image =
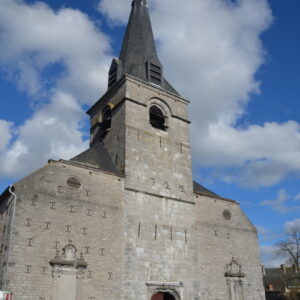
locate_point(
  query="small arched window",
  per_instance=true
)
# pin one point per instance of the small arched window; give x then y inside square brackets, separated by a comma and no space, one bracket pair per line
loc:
[106,118]
[157,118]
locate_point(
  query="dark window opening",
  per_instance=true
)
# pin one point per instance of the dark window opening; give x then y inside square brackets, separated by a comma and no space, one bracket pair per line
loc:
[157,118]
[106,118]
[163,296]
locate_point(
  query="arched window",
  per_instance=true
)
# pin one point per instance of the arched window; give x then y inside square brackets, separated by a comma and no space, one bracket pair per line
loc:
[157,118]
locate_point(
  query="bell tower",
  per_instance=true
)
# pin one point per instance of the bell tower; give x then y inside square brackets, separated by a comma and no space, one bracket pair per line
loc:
[142,120]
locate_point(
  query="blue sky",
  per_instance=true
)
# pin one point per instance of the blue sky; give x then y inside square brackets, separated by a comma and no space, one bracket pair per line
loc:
[237,61]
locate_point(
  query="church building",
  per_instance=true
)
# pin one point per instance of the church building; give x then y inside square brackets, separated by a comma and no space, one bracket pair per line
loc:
[124,219]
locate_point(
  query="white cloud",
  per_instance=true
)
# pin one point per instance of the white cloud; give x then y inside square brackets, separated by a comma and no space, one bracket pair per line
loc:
[294,224]
[266,234]
[269,258]
[60,58]
[261,155]
[34,38]
[5,134]
[116,11]
[52,132]
[211,50]
[280,204]
[297,197]
[261,230]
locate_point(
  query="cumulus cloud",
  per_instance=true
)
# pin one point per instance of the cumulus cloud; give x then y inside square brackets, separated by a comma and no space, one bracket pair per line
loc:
[266,234]
[5,133]
[269,258]
[60,58]
[211,50]
[34,39]
[261,230]
[116,11]
[281,203]
[53,131]
[297,197]
[292,225]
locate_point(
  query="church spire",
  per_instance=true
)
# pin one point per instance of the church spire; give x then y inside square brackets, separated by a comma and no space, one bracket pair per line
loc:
[138,56]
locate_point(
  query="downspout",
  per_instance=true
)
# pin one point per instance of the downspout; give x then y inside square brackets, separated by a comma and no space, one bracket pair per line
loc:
[10,234]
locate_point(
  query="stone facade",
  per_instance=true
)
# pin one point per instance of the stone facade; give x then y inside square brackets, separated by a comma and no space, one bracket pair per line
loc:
[51,215]
[82,229]
[139,233]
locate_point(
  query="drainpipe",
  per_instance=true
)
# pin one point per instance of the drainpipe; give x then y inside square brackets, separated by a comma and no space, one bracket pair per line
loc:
[9,237]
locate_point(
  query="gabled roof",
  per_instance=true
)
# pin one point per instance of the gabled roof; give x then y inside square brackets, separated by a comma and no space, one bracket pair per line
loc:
[199,189]
[273,277]
[97,156]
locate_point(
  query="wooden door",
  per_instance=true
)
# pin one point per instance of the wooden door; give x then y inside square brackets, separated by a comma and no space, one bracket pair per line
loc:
[163,296]
[158,296]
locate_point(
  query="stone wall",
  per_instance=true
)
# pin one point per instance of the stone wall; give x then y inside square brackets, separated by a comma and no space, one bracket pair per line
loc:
[157,161]
[224,234]
[50,215]
[6,212]
[139,234]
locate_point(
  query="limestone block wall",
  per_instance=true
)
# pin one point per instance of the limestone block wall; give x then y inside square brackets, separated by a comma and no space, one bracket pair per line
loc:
[160,249]
[6,211]
[224,233]
[115,137]
[187,248]
[157,161]
[50,214]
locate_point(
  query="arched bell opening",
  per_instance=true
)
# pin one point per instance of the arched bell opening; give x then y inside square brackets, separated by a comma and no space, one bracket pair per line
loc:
[157,118]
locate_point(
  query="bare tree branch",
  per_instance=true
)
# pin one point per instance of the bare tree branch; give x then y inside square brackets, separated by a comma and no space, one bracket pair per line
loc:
[290,248]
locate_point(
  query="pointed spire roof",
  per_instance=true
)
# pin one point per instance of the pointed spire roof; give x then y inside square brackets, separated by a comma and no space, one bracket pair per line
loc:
[138,44]
[138,56]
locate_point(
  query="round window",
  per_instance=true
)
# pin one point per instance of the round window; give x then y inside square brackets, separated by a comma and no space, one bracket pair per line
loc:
[74,183]
[226,214]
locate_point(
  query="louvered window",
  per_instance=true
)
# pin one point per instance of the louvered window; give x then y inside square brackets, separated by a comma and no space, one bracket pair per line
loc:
[112,77]
[154,73]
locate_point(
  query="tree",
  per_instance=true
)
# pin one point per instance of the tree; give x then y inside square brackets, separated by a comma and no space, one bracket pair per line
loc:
[290,247]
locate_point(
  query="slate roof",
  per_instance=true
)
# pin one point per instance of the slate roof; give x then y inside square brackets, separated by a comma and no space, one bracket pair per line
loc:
[273,276]
[199,189]
[97,156]
[139,45]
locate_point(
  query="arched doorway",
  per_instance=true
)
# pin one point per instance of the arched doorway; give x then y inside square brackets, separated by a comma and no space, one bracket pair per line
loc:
[163,296]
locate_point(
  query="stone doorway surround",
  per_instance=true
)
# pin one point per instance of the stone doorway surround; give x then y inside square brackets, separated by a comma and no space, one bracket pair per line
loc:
[173,289]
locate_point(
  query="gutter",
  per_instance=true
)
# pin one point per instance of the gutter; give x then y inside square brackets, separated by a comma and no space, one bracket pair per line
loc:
[9,237]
